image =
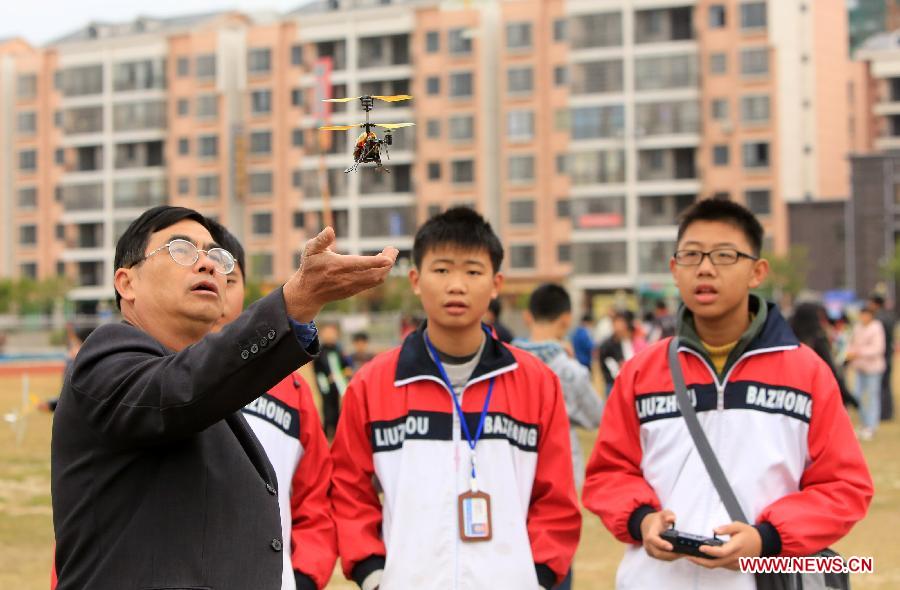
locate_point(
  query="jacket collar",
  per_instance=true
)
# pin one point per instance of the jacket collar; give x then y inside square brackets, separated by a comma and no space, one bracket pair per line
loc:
[415,362]
[768,332]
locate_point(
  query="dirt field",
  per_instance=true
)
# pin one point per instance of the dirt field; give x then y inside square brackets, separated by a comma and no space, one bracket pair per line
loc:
[26,533]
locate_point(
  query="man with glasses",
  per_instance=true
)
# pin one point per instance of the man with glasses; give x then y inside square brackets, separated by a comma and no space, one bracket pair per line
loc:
[157,480]
[770,408]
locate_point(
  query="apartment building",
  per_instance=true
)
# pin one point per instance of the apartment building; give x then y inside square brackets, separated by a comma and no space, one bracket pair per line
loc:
[581,129]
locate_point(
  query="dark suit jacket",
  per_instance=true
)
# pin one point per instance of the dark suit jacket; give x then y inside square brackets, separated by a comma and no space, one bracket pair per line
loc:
[157,480]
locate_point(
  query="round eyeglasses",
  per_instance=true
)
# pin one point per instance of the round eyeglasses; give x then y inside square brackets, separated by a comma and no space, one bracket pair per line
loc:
[719,257]
[185,253]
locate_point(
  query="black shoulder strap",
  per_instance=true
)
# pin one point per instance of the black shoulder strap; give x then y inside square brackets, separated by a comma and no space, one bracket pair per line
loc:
[713,468]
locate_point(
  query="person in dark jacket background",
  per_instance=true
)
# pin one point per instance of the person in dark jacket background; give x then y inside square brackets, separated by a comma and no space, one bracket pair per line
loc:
[807,324]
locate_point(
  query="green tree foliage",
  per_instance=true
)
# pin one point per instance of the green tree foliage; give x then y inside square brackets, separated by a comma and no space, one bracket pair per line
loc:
[787,273]
[28,296]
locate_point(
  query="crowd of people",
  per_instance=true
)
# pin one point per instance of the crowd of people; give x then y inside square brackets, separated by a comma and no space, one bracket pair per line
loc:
[187,450]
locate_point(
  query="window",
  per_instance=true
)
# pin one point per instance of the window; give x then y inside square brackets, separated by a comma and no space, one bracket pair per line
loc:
[596,77]
[207,106]
[461,84]
[262,224]
[595,30]
[139,75]
[560,29]
[432,42]
[755,61]
[759,201]
[184,146]
[564,253]
[722,196]
[208,186]
[596,122]
[719,108]
[26,123]
[28,160]
[28,197]
[521,168]
[297,137]
[28,270]
[208,146]
[299,221]
[717,16]
[261,102]
[661,210]
[564,208]
[58,119]
[184,107]
[433,210]
[753,15]
[183,67]
[81,80]
[600,258]
[259,60]
[667,117]
[296,55]
[520,125]
[594,167]
[26,86]
[28,235]
[434,170]
[205,66]
[664,72]
[720,155]
[260,183]
[184,185]
[433,85]
[261,265]
[518,36]
[521,212]
[458,42]
[718,63]
[519,80]
[433,128]
[756,154]
[260,142]
[59,157]
[521,256]
[560,75]
[61,235]
[653,257]
[296,97]
[297,178]
[755,109]
[461,127]
[462,171]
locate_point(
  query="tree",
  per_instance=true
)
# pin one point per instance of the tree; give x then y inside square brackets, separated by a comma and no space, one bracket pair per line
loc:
[787,273]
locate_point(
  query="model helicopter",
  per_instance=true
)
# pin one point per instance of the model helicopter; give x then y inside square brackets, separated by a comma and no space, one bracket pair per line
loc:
[369,147]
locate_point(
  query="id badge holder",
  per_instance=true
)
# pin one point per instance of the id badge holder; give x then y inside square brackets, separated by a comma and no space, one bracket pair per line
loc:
[475,517]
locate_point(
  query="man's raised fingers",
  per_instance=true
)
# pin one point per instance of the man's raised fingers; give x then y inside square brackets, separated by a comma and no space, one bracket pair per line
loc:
[320,243]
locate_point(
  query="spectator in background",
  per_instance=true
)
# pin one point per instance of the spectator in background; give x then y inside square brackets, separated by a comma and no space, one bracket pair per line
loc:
[75,337]
[492,318]
[361,354]
[663,323]
[332,374]
[808,324]
[866,357]
[618,348]
[582,343]
[883,315]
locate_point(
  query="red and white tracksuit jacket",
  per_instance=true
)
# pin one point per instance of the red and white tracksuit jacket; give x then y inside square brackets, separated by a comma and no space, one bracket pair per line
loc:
[287,425]
[779,430]
[398,423]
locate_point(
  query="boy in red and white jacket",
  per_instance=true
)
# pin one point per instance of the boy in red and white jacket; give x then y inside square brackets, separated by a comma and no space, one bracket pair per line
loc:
[769,406]
[401,423]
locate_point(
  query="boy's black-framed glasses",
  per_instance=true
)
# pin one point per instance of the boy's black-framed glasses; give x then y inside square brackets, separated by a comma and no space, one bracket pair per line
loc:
[719,257]
[185,253]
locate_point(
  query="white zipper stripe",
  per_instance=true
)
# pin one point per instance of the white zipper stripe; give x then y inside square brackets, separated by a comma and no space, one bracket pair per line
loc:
[721,386]
[484,377]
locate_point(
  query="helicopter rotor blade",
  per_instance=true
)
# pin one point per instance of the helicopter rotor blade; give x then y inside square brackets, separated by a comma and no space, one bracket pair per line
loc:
[394,98]
[348,99]
[338,127]
[394,125]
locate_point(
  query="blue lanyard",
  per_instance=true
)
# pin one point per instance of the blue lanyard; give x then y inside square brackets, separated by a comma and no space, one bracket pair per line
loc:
[462,418]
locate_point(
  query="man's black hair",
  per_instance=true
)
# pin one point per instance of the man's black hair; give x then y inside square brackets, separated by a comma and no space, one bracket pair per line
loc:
[461,227]
[227,240]
[360,337]
[727,212]
[548,302]
[133,242]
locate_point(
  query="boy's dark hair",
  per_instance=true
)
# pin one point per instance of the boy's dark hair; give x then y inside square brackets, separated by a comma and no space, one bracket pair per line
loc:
[587,318]
[131,245]
[548,302]
[877,299]
[728,212]
[360,337]
[461,227]
[661,305]
[495,307]
[227,240]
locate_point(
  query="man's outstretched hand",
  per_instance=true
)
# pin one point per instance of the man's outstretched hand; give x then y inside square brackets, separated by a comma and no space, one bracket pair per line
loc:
[325,276]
